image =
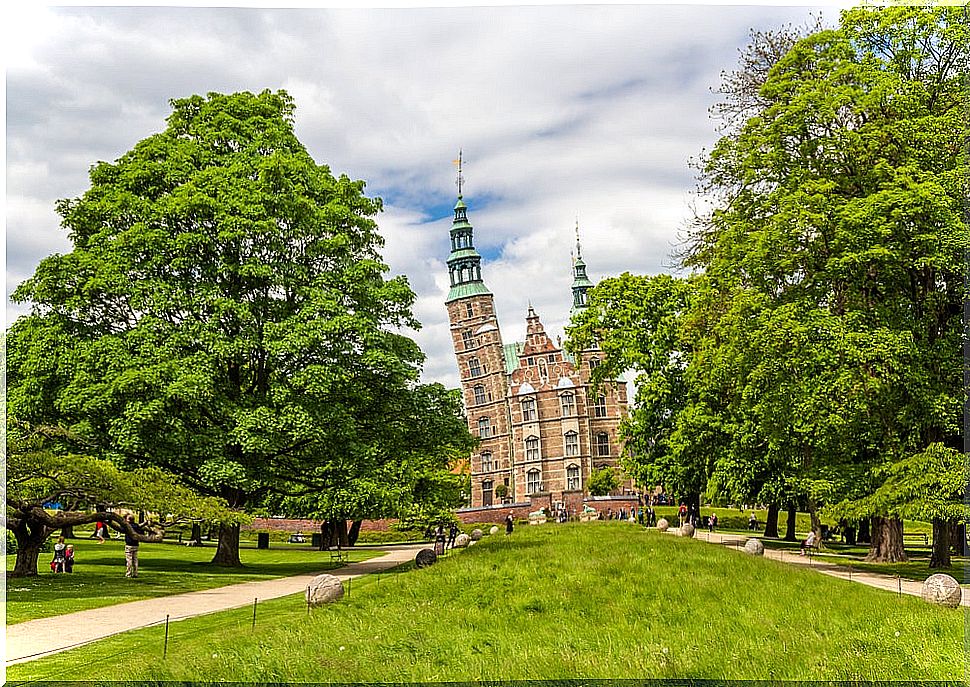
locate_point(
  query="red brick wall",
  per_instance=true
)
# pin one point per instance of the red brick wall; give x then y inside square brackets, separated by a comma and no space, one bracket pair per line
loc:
[520,511]
[310,526]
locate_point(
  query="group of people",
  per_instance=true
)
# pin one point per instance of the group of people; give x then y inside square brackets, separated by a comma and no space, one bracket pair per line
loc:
[63,561]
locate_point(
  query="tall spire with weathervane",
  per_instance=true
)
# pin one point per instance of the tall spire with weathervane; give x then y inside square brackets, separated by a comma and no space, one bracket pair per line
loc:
[464,263]
[581,283]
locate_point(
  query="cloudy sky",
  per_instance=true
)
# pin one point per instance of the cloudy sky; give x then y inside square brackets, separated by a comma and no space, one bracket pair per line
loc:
[563,112]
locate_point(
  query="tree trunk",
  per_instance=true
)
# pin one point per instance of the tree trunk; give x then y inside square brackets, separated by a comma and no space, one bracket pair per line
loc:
[227,552]
[341,527]
[887,541]
[958,537]
[29,543]
[790,525]
[354,532]
[197,533]
[67,531]
[771,524]
[940,557]
[864,535]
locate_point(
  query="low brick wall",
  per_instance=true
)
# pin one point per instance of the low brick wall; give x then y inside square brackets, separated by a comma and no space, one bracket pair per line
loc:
[294,525]
[495,514]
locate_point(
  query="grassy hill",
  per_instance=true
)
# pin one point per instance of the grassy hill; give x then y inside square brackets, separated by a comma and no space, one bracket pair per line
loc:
[594,600]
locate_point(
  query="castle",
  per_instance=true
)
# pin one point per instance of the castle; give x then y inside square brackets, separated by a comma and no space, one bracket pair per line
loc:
[542,431]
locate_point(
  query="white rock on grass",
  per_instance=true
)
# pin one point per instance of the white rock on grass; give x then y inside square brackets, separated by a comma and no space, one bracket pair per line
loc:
[943,590]
[477,534]
[324,589]
[686,530]
[462,541]
[662,524]
[754,547]
[493,529]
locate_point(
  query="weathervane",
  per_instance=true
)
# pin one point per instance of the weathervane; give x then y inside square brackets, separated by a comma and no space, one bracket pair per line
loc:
[460,179]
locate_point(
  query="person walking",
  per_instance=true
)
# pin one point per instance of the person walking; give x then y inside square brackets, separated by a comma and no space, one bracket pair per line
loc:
[509,523]
[131,546]
[682,513]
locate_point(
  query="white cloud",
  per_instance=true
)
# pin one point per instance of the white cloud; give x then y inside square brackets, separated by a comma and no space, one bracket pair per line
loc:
[562,111]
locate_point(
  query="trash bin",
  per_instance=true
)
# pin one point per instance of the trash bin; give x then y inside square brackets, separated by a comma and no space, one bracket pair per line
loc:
[315,540]
[262,540]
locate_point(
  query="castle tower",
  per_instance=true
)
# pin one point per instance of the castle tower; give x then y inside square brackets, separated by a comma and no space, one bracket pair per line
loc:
[481,360]
[581,283]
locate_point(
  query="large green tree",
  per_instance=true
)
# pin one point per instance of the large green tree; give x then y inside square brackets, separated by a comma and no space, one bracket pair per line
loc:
[224,313]
[838,194]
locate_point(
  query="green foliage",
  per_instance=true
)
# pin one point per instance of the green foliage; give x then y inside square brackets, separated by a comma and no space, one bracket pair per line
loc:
[224,315]
[602,481]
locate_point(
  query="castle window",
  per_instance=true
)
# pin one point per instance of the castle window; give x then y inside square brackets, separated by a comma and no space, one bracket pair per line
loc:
[529,410]
[551,357]
[568,402]
[572,443]
[530,361]
[484,427]
[594,363]
[532,448]
[572,477]
[603,444]
[466,339]
[487,492]
[487,463]
[532,482]
[468,310]
[474,367]
[479,392]
[599,408]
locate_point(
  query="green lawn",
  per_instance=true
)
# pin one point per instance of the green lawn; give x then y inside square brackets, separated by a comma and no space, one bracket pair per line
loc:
[99,575]
[594,600]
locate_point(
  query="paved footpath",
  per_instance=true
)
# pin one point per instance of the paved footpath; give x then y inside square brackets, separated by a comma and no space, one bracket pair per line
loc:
[35,639]
[823,564]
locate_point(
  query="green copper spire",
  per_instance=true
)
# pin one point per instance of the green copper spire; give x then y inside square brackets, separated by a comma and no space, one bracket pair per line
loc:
[464,263]
[581,283]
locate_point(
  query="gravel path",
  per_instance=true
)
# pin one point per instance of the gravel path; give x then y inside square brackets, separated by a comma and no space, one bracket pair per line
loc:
[38,638]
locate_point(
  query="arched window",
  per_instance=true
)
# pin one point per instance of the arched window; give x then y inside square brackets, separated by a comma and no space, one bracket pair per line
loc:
[479,392]
[603,444]
[484,427]
[487,492]
[599,408]
[487,464]
[594,363]
[474,367]
[572,477]
[568,403]
[532,482]
[532,448]
[529,410]
[466,339]
[571,440]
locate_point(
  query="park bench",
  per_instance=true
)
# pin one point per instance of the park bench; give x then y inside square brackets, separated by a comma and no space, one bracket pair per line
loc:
[297,539]
[916,536]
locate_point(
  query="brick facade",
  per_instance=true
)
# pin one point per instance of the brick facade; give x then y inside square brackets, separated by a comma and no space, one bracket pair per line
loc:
[530,403]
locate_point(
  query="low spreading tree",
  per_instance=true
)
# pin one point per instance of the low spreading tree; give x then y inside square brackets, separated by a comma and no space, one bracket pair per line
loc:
[84,489]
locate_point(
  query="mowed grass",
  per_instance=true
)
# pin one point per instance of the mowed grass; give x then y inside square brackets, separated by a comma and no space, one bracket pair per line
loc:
[168,568]
[593,600]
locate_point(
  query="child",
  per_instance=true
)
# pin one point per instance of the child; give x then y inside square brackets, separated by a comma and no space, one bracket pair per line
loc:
[57,565]
[69,558]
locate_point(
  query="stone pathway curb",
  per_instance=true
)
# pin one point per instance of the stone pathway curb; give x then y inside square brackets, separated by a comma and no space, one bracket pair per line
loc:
[823,565]
[35,639]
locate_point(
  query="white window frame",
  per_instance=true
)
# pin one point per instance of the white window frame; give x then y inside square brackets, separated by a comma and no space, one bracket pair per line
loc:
[530,412]
[532,448]
[570,444]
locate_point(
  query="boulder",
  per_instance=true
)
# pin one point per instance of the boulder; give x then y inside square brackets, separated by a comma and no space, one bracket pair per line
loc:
[663,525]
[943,590]
[754,547]
[462,541]
[493,529]
[425,558]
[477,534]
[686,530]
[324,589]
